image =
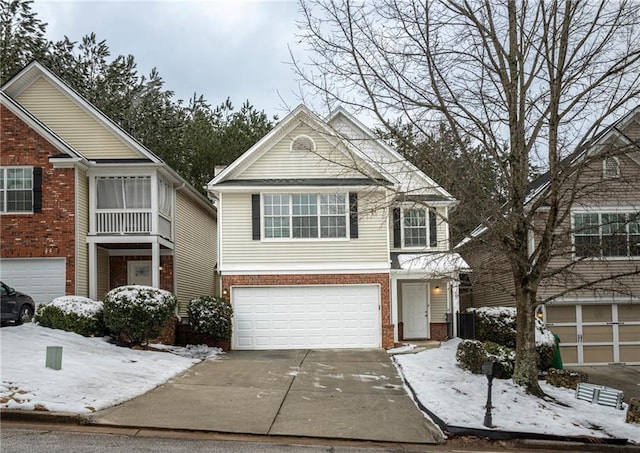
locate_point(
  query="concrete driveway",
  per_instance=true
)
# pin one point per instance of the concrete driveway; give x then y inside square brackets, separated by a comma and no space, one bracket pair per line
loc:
[347,394]
[621,377]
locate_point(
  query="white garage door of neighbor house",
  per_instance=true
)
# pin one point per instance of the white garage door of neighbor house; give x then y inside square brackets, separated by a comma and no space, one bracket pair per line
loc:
[299,317]
[41,278]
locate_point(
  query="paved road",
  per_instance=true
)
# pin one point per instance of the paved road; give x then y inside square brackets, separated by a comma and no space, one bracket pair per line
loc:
[24,438]
[338,394]
[621,377]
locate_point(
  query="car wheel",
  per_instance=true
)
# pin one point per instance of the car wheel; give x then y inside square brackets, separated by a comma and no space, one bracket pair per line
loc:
[26,314]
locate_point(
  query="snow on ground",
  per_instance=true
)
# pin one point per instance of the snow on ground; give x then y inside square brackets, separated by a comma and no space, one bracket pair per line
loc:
[95,374]
[458,397]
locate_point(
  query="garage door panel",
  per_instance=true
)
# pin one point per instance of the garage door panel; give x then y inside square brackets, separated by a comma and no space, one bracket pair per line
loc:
[42,278]
[597,334]
[306,316]
[630,353]
[598,354]
[629,333]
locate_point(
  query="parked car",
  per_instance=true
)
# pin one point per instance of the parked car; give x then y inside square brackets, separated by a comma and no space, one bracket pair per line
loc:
[15,306]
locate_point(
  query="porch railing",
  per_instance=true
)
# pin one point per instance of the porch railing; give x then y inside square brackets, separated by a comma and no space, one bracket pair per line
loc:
[123,222]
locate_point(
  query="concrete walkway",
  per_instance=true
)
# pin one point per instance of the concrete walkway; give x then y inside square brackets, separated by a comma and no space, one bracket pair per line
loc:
[345,394]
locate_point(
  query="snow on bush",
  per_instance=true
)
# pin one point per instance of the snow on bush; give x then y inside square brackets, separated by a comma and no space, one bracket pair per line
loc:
[135,314]
[74,314]
[497,326]
[211,316]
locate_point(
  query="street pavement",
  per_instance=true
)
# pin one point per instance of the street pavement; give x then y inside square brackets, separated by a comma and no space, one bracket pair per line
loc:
[339,394]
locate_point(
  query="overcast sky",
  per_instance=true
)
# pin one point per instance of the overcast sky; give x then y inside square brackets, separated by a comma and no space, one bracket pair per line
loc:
[218,48]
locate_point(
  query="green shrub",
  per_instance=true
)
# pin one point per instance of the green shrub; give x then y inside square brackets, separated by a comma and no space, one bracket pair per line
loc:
[135,314]
[503,355]
[470,355]
[211,316]
[496,324]
[72,314]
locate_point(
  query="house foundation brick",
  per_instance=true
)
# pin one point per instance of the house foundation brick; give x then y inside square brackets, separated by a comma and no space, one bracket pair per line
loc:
[46,234]
[228,281]
[438,331]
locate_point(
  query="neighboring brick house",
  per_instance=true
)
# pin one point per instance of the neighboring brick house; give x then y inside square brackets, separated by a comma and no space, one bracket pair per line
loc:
[84,207]
[596,317]
[329,238]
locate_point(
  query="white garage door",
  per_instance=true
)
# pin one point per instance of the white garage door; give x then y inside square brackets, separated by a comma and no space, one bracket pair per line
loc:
[299,317]
[41,278]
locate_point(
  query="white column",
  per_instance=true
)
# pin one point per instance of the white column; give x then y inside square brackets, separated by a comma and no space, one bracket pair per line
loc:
[155,265]
[93,271]
[455,304]
[394,307]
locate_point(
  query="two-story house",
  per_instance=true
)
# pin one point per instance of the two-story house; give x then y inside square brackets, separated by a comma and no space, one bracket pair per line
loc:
[84,207]
[328,238]
[592,288]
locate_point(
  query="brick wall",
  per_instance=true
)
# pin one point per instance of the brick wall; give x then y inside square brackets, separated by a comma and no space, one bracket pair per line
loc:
[118,270]
[51,233]
[438,331]
[323,279]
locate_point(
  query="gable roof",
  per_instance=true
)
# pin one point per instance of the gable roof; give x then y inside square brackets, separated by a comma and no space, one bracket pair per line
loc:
[35,70]
[380,163]
[537,187]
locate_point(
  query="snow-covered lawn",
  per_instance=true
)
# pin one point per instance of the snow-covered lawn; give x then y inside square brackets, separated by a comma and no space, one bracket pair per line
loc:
[458,397]
[95,374]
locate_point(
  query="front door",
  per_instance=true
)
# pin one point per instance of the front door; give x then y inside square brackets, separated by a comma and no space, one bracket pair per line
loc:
[139,273]
[415,311]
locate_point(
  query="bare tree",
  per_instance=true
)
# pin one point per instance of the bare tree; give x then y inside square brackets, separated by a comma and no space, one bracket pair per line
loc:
[530,82]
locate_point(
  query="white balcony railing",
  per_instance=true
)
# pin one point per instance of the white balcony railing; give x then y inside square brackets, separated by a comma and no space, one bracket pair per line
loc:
[123,222]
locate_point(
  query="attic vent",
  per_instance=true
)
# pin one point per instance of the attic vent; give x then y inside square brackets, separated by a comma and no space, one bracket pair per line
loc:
[303,143]
[611,167]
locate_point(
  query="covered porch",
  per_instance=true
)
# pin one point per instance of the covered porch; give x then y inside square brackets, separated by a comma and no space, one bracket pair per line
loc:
[114,262]
[425,295]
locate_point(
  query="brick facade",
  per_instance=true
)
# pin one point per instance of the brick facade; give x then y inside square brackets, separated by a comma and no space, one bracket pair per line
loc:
[438,331]
[323,279]
[51,233]
[118,270]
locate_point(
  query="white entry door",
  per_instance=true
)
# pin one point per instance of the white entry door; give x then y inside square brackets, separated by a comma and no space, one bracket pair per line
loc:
[139,273]
[415,310]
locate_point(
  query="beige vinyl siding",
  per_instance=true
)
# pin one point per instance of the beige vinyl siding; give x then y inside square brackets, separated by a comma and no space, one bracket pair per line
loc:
[239,248]
[491,277]
[195,252]
[82,219]
[72,123]
[438,301]
[103,272]
[281,162]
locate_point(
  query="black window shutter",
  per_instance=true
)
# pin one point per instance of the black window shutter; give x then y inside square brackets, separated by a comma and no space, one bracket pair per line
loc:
[353,215]
[397,238]
[433,231]
[255,216]
[37,189]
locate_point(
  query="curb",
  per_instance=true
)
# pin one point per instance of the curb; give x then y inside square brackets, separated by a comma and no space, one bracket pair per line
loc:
[41,416]
[528,440]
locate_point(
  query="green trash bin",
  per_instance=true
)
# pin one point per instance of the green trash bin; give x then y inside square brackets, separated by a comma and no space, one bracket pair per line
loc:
[556,362]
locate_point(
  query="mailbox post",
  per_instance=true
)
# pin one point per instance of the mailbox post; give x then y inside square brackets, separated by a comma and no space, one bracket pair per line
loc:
[489,369]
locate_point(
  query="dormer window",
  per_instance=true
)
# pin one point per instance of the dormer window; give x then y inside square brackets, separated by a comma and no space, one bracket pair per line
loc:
[303,143]
[611,167]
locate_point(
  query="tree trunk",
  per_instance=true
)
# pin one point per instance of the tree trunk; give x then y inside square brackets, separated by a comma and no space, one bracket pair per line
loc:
[526,369]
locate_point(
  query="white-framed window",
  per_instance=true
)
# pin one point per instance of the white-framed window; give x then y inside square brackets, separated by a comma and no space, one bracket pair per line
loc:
[606,234]
[415,227]
[16,189]
[120,192]
[611,167]
[303,143]
[305,215]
